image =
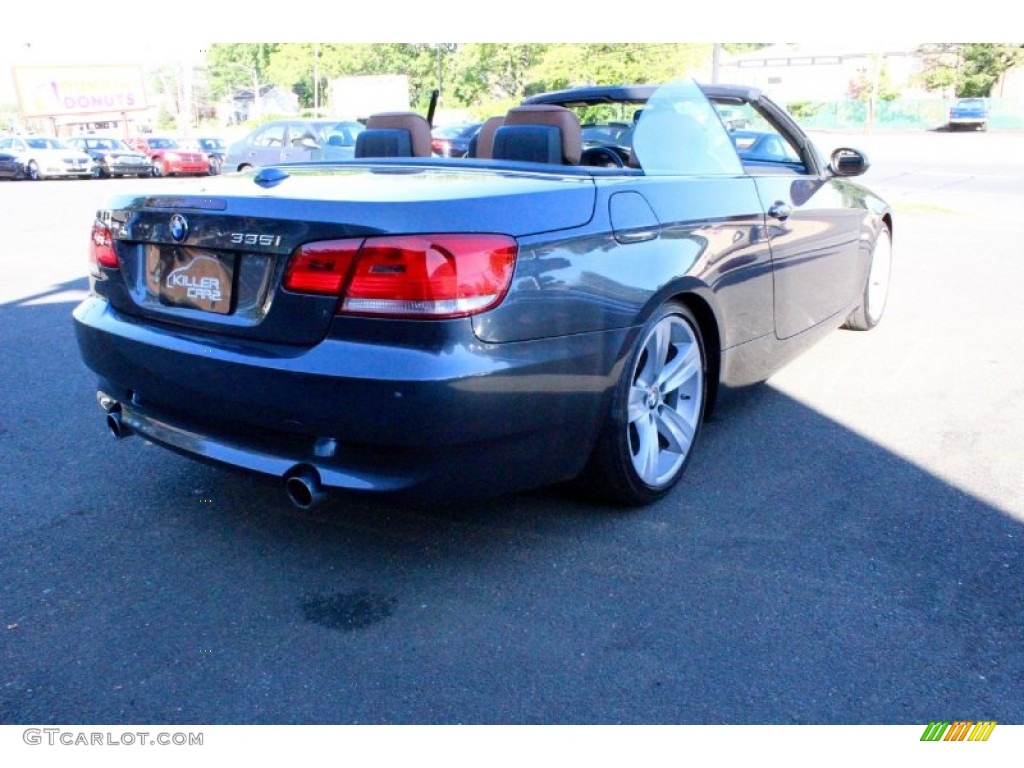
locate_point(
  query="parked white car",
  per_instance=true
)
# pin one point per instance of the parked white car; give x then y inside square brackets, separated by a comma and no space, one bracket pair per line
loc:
[46,157]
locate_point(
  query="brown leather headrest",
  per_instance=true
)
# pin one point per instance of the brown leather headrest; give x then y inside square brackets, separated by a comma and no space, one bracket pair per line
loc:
[485,136]
[415,124]
[560,117]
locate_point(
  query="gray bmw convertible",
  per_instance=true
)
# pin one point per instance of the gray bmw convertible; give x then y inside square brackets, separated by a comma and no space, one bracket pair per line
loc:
[557,305]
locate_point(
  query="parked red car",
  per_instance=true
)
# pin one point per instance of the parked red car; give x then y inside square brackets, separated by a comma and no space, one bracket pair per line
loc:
[170,159]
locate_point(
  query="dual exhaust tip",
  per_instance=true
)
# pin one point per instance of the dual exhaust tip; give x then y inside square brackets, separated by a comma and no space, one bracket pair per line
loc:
[302,482]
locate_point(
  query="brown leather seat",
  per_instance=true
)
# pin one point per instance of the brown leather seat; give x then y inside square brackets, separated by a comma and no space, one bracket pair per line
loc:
[563,119]
[412,123]
[483,142]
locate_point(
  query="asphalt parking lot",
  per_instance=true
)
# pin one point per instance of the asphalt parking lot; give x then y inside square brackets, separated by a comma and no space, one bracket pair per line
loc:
[847,546]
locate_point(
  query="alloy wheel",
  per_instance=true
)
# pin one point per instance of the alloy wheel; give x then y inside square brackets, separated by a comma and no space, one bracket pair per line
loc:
[665,398]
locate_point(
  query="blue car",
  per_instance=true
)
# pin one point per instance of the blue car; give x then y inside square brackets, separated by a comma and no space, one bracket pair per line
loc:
[441,329]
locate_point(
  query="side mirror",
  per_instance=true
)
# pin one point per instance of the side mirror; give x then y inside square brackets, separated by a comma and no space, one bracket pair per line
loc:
[848,162]
[308,143]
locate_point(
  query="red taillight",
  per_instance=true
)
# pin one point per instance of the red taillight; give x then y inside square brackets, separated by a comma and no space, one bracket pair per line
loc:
[434,276]
[441,146]
[101,246]
[321,267]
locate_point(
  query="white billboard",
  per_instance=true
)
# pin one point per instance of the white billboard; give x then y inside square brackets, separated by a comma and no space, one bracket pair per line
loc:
[54,91]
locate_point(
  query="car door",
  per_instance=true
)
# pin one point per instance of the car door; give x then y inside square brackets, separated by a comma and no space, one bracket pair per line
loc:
[303,143]
[812,230]
[267,145]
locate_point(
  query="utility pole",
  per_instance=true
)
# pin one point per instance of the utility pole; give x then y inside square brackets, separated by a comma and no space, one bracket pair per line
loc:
[316,79]
[876,73]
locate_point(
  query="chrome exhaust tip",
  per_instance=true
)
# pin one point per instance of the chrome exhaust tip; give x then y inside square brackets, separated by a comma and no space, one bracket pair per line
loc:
[304,488]
[116,425]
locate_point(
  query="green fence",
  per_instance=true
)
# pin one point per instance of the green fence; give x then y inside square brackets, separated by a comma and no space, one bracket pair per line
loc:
[900,114]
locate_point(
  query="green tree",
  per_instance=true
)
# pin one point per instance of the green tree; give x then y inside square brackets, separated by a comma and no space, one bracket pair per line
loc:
[292,65]
[491,72]
[566,65]
[238,66]
[870,83]
[967,69]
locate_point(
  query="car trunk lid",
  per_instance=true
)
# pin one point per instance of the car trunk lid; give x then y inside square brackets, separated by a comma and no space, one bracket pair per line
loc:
[211,256]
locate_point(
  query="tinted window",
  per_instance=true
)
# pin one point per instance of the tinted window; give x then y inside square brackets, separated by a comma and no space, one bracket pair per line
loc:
[342,134]
[755,138]
[271,136]
[300,132]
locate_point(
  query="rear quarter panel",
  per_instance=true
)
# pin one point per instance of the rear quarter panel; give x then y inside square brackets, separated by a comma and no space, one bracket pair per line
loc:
[698,234]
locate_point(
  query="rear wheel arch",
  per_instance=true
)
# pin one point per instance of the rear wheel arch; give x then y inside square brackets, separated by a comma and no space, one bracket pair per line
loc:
[887,221]
[709,328]
[652,421]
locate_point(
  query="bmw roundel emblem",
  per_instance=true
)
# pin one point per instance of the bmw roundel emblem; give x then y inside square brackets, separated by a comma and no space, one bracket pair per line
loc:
[179,227]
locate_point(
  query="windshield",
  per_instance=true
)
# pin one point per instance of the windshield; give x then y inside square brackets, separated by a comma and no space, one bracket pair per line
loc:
[106,144]
[43,143]
[162,144]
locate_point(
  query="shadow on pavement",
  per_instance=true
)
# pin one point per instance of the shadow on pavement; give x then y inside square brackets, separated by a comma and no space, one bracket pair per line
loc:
[800,574]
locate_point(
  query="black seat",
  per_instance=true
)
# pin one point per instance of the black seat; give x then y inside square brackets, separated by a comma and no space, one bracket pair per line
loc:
[529,143]
[383,142]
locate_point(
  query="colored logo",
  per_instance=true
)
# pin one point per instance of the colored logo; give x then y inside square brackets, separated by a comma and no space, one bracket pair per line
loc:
[959,730]
[179,227]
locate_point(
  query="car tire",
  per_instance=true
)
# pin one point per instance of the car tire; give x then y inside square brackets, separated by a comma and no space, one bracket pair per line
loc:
[655,416]
[158,168]
[32,171]
[876,285]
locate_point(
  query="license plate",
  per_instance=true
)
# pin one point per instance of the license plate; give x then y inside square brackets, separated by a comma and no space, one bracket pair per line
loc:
[190,277]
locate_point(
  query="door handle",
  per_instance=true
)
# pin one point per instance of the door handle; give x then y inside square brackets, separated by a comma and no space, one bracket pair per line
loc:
[780,211]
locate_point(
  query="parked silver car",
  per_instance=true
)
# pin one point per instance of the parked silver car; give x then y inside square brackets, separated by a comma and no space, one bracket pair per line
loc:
[112,156]
[294,141]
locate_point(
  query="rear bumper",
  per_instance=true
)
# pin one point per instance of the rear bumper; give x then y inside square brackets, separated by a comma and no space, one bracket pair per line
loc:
[461,420]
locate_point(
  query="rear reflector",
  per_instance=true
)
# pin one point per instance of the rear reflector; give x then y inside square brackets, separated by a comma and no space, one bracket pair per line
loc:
[101,246]
[425,276]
